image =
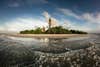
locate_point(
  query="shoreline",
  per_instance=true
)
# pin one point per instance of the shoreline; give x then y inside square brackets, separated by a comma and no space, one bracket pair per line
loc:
[48,35]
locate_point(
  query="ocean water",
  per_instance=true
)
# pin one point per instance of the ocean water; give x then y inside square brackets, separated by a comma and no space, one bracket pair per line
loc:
[50,52]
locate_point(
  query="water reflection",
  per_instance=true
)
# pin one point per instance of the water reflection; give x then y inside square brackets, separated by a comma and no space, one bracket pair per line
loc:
[61,45]
[49,52]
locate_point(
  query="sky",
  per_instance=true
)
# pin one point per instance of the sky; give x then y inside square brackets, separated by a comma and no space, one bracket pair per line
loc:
[17,15]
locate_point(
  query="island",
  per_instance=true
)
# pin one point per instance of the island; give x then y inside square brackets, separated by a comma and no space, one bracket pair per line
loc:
[52,29]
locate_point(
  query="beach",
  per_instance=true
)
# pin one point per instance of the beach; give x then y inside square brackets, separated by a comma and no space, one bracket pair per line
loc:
[49,35]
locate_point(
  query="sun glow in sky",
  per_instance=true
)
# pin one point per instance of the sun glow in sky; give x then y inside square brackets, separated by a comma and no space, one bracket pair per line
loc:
[17,15]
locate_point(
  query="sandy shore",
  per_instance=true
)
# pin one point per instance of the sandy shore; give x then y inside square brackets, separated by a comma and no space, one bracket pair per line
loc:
[48,35]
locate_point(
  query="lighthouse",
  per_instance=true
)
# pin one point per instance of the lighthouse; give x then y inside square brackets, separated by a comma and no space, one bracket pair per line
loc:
[49,25]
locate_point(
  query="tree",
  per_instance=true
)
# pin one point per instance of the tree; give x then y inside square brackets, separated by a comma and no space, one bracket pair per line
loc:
[53,30]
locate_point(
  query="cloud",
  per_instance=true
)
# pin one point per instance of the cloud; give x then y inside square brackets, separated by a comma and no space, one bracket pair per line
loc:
[89,17]
[73,25]
[92,17]
[14,4]
[22,24]
[91,20]
[46,15]
[19,24]
[69,13]
[18,3]
[54,21]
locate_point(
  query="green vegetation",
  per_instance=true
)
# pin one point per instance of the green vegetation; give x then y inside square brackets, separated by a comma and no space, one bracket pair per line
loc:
[36,31]
[53,30]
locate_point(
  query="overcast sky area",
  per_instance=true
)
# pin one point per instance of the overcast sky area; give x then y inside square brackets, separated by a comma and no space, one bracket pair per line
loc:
[17,15]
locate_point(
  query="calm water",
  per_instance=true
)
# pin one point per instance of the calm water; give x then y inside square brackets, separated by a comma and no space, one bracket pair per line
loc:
[50,52]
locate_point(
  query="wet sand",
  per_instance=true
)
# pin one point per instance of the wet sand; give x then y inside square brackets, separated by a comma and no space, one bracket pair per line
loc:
[16,53]
[49,35]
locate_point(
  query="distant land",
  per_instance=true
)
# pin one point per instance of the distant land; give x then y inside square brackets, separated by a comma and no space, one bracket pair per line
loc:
[52,30]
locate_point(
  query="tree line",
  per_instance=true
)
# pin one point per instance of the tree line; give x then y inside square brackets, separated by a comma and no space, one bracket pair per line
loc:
[53,30]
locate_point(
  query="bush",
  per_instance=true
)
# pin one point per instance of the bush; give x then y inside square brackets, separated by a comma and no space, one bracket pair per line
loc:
[53,30]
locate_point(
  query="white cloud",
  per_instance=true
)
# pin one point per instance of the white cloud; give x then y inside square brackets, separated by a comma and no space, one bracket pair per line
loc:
[30,23]
[72,25]
[54,21]
[91,20]
[19,24]
[69,13]
[89,17]
[22,24]
[46,15]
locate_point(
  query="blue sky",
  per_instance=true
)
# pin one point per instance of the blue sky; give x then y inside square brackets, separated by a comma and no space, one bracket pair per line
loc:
[17,15]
